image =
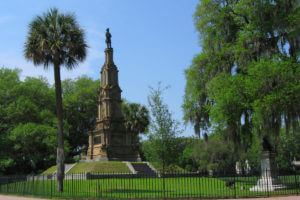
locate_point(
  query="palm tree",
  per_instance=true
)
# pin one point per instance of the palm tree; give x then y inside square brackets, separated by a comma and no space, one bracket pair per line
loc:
[136,119]
[56,39]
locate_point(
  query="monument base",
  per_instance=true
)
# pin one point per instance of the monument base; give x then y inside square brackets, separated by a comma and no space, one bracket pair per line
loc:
[112,159]
[268,184]
[111,153]
[268,180]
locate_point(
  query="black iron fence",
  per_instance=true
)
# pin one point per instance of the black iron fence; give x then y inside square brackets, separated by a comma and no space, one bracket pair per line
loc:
[162,185]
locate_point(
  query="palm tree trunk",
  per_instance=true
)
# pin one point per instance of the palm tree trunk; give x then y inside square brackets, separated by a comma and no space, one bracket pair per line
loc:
[60,166]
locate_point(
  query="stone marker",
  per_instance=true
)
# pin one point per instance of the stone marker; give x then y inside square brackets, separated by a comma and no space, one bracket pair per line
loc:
[269,180]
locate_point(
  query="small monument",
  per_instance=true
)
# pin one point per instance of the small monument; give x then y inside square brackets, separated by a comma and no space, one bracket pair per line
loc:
[109,140]
[238,168]
[268,180]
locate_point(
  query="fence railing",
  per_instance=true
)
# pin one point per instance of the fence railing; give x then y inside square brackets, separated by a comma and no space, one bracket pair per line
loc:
[162,185]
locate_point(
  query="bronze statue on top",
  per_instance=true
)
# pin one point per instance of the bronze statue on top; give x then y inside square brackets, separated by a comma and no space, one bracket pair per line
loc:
[108,40]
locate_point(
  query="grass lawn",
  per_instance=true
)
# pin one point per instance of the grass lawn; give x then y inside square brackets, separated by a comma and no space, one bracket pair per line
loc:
[95,167]
[51,170]
[204,187]
[100,167]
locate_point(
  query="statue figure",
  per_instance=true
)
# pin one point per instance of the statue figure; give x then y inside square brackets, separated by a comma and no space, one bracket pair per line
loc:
[266,144]
[108,40]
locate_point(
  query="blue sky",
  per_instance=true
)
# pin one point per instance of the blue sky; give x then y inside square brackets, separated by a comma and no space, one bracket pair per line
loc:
[153,41]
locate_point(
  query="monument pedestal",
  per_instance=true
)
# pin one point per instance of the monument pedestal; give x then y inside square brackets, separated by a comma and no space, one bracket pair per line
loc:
[268,180]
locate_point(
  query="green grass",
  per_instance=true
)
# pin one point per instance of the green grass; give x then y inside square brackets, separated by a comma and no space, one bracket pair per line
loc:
[203,187]
[100,167]
[95,167]
[51,170]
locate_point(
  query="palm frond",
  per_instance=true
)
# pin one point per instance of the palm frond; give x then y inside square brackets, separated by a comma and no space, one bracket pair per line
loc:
[55,37]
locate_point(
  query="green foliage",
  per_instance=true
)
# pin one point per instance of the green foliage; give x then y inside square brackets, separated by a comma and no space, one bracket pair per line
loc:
[171,168]
[33,145]
[28,123]
[162,145]
[136,119]
[253,153]
[246,79]
[9,81]
[186,159]
[55,38]
[288,148]
[80,109]
[147,151]
[196,105]
[274,87]
[217,155]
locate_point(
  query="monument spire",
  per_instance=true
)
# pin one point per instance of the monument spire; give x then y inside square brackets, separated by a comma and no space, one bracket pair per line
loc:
[109,71]
[109,140]
[110,92]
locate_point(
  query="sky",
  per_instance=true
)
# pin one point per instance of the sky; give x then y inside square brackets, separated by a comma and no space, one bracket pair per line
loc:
[154,41]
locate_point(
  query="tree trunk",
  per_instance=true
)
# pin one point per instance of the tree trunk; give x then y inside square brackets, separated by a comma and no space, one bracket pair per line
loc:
[205,138]
[60,166]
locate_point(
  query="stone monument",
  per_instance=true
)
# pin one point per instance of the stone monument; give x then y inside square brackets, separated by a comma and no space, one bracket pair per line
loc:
[269,177]
[109,140]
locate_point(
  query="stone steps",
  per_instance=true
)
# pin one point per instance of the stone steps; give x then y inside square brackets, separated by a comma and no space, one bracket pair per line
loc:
[143,169]
[68,167]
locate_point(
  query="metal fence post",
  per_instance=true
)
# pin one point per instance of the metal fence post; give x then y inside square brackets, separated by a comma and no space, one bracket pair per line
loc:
[296,183]
[7,184]
[199,179]
[33,185]
[72,187]
[24,185]
[15,185]
[234,186]
[267,183]
[51,187]
[164,186]
[98,184]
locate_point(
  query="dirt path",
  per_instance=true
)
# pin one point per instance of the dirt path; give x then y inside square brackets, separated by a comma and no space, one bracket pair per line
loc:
[5,197]
[275,198]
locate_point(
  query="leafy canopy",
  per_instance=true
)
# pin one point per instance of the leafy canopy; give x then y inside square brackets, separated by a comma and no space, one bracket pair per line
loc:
[246,78]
